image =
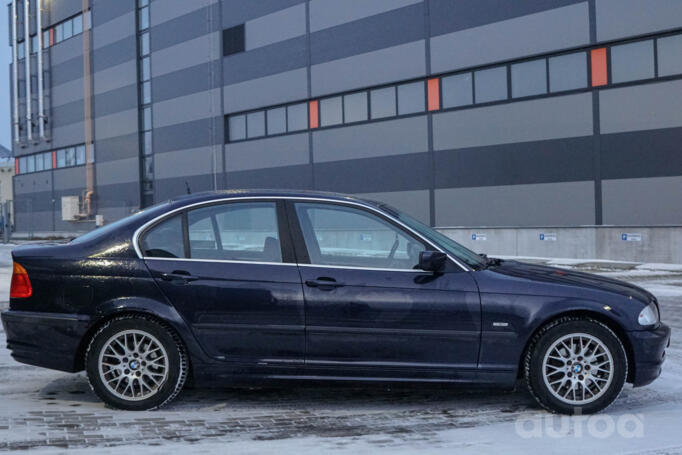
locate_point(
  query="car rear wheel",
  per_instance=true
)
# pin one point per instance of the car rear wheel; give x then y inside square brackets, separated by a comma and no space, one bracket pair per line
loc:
[576,366]
[136,363]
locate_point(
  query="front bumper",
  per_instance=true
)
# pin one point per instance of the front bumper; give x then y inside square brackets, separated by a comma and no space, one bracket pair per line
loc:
[49,340]
[648,348]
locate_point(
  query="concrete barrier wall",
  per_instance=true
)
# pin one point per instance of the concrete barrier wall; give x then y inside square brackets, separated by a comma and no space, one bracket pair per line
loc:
[618,243]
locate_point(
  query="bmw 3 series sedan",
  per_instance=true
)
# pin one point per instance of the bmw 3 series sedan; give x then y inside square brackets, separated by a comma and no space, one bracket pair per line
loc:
[251,285]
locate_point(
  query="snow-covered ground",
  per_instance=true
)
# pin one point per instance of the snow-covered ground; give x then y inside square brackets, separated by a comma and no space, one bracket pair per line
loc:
[48,412]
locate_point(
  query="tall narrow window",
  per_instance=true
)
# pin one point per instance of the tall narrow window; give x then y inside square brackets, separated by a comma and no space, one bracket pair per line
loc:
[145,109]
[233,40]
[599,67]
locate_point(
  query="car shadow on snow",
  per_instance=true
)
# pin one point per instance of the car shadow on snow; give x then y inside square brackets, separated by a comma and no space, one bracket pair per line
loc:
[74,391]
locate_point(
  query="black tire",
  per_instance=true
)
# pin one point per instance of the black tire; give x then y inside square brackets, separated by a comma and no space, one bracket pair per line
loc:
[544,340]
[176,363]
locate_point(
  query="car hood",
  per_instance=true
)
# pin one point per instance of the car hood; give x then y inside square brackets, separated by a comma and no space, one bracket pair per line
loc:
[532,278]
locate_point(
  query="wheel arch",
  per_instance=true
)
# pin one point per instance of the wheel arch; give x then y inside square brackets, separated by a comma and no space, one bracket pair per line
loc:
[159,312]
[584,313]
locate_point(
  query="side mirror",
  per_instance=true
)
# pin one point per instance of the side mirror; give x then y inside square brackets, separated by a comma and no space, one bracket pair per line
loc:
[432,261]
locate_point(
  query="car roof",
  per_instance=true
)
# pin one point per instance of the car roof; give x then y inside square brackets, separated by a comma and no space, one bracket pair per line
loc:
[246,193]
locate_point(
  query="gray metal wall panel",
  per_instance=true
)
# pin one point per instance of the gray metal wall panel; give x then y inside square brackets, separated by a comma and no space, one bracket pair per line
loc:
[330,13]
[67,93]
[67,135]
[113,30]
[198,133]
[166,10]
[546,204]
[165,189]
[552,30]
[186,81]
[71,178]
[414,203]
[67,113]
[115,77]
[523,121]
[372,68]
[66,50]
[57,11]
[393,137]
[114,54]
[264,61]
[451,16]
[266,91]
[624,18]
[375,175]
[121,195]
[195,52]
[647,201]
[237,12]
[513,164]
[192,25]
[115,148]
[651,153]
[274,27]
[126,170]
[187,108]
[641,107]
[265,153]
[121,99]
[33,183]
[287,177]
[399,26]
[182,163]
[118,124]
[35,221]
[70,70]
[34,202]
[106,10]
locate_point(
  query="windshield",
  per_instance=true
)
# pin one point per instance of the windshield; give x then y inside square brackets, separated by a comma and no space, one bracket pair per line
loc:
[451,247]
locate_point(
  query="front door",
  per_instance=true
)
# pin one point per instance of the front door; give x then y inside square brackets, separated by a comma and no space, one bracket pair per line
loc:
[228,269]
[369,308]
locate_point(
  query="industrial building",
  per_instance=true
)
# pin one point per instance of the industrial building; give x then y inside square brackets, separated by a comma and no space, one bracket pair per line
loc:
[467,113]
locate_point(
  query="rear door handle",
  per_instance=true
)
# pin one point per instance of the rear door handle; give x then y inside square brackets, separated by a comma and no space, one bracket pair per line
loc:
[178,275]
[324,283]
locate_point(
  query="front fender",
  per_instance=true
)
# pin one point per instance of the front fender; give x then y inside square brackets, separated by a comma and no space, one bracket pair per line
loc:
[509,321]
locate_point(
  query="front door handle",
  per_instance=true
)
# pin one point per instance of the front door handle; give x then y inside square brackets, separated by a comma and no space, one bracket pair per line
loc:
[178,275]
[324,283]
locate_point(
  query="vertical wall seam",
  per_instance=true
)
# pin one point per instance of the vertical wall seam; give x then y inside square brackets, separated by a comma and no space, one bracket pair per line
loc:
[311,155]
[429,117]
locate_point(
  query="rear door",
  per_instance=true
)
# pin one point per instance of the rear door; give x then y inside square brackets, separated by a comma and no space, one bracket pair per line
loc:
[229,270]
[369,308]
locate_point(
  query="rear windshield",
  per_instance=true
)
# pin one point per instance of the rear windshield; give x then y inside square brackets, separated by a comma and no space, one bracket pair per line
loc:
[108,229]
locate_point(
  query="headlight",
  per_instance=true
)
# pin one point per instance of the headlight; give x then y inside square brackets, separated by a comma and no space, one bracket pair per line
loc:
[649,315]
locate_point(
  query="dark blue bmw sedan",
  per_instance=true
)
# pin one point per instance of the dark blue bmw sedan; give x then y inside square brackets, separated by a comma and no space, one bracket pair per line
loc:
[252,285]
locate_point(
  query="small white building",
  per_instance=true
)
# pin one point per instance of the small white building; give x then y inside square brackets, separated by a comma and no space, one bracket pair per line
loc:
[6,174]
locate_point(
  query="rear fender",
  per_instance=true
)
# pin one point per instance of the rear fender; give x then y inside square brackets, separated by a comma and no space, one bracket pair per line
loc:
[155,309]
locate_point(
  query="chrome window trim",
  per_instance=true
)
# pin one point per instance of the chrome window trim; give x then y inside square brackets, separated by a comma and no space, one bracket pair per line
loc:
[236,261]
[141,229]
[228,261]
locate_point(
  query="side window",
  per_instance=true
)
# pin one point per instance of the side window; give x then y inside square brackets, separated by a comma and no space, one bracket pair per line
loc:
[242,231]
[343,236]
[164,240]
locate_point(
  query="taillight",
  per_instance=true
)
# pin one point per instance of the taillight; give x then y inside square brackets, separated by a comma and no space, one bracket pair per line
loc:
[21,285]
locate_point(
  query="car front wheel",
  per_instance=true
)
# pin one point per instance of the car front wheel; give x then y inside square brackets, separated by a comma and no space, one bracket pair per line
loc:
[136,363]
[576,366]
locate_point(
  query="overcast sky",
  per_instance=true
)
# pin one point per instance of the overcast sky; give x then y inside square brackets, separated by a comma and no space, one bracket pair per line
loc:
[5,58]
